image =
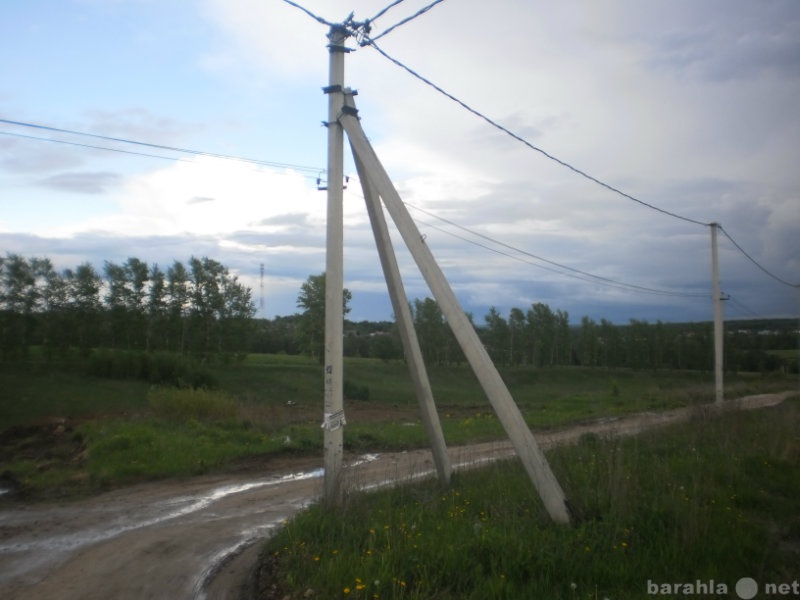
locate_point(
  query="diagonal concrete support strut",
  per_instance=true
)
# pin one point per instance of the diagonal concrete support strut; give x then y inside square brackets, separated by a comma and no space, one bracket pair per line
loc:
[522,439]
[405,324]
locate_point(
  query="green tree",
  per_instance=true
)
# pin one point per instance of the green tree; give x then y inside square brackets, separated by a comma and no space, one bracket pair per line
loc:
[610,345]
[562,350]
[235,318]
[177,306]
[206,301]
[516,334]
[19,297]
[311,328]
[157,310]
[497,337]
[431,330]
[541,331]
[84,286]
[588,343]
[55,324]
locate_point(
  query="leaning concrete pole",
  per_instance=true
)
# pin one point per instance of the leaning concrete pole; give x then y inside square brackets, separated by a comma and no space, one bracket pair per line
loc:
[507,411]
[405,324]
[334,421]
[716,296]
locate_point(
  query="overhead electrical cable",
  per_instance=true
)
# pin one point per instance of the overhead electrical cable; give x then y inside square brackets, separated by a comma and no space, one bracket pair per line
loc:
[310,14]
[368,41]
[576,275]
[43,139]
[361,32]
[255,161]
[519,138]
[585,275]
[564,269]
[384,10]
[755,262]
[741,306]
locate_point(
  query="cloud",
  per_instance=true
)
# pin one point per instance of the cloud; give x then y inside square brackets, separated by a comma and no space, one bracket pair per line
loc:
[25,156]
[741,41]
[139,124]
[81,183]
[204,196]
[688,106]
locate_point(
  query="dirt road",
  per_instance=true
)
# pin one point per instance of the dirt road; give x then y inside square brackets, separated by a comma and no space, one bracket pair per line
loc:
[196,538]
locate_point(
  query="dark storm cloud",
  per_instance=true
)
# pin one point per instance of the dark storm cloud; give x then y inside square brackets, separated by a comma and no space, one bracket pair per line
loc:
[755,39]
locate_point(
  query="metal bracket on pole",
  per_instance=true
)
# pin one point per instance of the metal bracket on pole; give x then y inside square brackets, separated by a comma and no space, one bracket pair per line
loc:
[522,439]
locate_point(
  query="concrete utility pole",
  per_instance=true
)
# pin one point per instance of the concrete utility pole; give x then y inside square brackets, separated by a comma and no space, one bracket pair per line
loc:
[334,420]
[716,296]
[405,323]
[507,411]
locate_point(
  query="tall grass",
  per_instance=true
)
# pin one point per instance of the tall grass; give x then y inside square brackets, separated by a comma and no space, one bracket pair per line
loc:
[715,499]
[187,403]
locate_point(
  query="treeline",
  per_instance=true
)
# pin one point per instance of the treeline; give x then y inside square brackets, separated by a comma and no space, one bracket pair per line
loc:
[197,308]
[542,337]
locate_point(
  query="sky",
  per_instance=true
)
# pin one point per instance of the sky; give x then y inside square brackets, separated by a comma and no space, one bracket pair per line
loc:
[692,108]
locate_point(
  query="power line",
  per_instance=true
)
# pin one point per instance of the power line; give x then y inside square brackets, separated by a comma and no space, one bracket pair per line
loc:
[43,139]
[120,150]
[594,278]
[310,14]
[361,32]
[742,307]
[755,262]
[572,272]
[519,138]
[161,147]
[384,10]
[368,41]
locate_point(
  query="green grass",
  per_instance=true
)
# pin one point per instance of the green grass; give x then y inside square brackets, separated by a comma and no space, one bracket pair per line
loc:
[715,499]
[121,451]
[28,395]
[121,431]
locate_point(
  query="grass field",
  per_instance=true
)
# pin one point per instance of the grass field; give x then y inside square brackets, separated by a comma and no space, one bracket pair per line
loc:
[717,499]
[62,432]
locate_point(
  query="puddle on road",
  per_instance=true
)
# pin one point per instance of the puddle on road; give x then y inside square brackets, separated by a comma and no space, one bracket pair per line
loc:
[32,550]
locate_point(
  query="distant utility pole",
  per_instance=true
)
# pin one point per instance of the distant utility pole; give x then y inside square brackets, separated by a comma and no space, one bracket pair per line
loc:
[716,296]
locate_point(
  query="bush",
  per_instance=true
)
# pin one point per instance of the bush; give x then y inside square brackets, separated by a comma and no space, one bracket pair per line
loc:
[354,391]
[157,368]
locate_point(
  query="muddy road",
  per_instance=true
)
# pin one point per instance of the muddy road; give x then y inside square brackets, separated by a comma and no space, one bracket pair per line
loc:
[197,538]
